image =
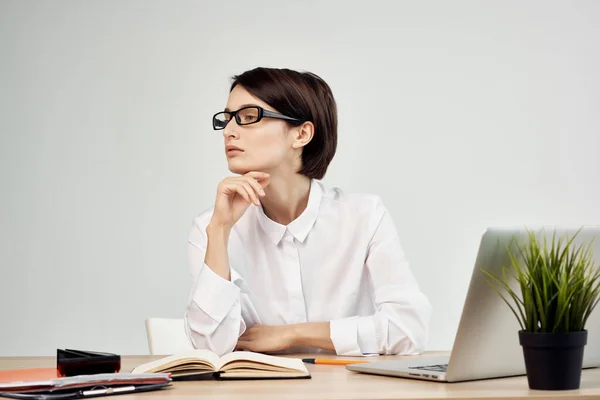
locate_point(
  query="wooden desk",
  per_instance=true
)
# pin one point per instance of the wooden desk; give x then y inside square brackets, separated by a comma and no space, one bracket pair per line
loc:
[335,382]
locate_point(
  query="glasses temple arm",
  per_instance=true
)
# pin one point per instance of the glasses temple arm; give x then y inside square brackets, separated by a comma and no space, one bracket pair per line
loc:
[267,113]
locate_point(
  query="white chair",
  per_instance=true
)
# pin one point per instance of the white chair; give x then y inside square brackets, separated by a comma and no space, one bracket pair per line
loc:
[167,336]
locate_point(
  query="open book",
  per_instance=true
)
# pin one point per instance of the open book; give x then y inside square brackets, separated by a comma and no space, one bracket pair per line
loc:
[236,365]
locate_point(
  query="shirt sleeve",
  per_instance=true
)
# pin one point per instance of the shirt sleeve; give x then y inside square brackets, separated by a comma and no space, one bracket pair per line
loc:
[401,320]
[214,314]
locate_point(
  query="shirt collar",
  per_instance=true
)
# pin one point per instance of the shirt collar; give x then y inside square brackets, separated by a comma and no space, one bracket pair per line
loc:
[301,226]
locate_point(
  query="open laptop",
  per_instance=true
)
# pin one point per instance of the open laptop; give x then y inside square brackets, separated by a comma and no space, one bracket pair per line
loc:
[487,341]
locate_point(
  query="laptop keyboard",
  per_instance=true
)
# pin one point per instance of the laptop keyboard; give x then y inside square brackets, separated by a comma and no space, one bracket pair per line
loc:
[436,368]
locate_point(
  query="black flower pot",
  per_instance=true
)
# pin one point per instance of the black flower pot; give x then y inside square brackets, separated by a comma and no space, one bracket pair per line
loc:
[553,361]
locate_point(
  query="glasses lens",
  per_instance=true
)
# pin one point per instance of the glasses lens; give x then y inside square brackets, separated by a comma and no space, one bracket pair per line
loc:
[247,116]
[220,120]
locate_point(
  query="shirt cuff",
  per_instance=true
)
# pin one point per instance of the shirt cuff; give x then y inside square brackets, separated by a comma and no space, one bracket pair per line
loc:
[343,334]
[367,336]
[214,295]
[239,281]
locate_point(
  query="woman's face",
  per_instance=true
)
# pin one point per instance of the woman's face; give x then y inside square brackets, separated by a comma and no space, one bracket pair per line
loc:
[263,146]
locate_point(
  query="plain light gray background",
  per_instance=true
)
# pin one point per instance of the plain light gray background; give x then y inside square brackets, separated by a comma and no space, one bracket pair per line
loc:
[460,115]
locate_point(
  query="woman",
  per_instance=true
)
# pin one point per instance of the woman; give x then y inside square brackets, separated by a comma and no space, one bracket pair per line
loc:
[282,263]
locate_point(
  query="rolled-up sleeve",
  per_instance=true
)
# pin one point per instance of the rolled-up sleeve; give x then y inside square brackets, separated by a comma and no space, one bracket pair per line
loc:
[401,321]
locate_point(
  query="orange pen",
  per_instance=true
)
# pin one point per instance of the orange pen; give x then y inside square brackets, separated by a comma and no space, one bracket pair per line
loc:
[331,361]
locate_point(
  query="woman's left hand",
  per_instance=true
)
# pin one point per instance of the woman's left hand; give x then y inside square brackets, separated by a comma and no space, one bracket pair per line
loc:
[266,338]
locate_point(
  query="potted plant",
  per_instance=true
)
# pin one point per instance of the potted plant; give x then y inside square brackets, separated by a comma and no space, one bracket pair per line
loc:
[557,287]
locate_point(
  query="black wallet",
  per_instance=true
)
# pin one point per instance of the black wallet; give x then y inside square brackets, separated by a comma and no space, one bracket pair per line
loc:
[71,362]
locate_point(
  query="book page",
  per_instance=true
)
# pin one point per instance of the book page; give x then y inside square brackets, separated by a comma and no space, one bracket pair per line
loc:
[193,359]
[260,361]
[255,374]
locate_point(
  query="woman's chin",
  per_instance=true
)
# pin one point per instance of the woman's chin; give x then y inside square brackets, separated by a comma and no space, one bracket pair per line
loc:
[239,168]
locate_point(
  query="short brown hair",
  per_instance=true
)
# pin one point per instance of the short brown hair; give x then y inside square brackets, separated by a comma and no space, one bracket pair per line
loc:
[301,95]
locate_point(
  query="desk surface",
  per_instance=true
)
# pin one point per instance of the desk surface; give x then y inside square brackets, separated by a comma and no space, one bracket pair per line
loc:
[336,382]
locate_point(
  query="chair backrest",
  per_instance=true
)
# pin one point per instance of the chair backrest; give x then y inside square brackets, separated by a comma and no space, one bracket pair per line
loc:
[167,336]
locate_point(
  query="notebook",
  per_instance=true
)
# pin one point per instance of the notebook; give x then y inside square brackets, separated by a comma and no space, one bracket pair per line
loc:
[43,383]
[201,363]
[28,374]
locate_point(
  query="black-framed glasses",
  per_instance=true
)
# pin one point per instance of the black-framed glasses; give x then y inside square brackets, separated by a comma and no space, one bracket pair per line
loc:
[246,116]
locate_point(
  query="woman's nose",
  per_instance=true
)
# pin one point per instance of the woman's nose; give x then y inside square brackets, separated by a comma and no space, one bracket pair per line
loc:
[231,129]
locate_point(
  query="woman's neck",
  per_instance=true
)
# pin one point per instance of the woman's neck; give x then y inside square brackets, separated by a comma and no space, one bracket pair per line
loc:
[286,197]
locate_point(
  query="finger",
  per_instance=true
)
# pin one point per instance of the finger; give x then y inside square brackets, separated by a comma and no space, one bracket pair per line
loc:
[257,187]
[257,174]
[242,192]
[243,346]
[263,181]
[247,335]
[251,192]
[230,188]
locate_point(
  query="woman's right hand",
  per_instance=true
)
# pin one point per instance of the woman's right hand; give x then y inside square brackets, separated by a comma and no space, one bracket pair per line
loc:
[234,196]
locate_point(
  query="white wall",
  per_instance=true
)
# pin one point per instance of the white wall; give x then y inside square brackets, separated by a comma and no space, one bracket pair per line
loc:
[459,114]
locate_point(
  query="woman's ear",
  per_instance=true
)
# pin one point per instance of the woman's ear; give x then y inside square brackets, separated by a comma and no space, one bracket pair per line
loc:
[304,134]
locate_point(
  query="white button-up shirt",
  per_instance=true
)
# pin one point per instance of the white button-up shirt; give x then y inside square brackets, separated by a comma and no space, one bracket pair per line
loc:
[339,261]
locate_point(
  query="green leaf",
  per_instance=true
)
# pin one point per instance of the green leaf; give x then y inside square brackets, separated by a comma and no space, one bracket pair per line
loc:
[559,284]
